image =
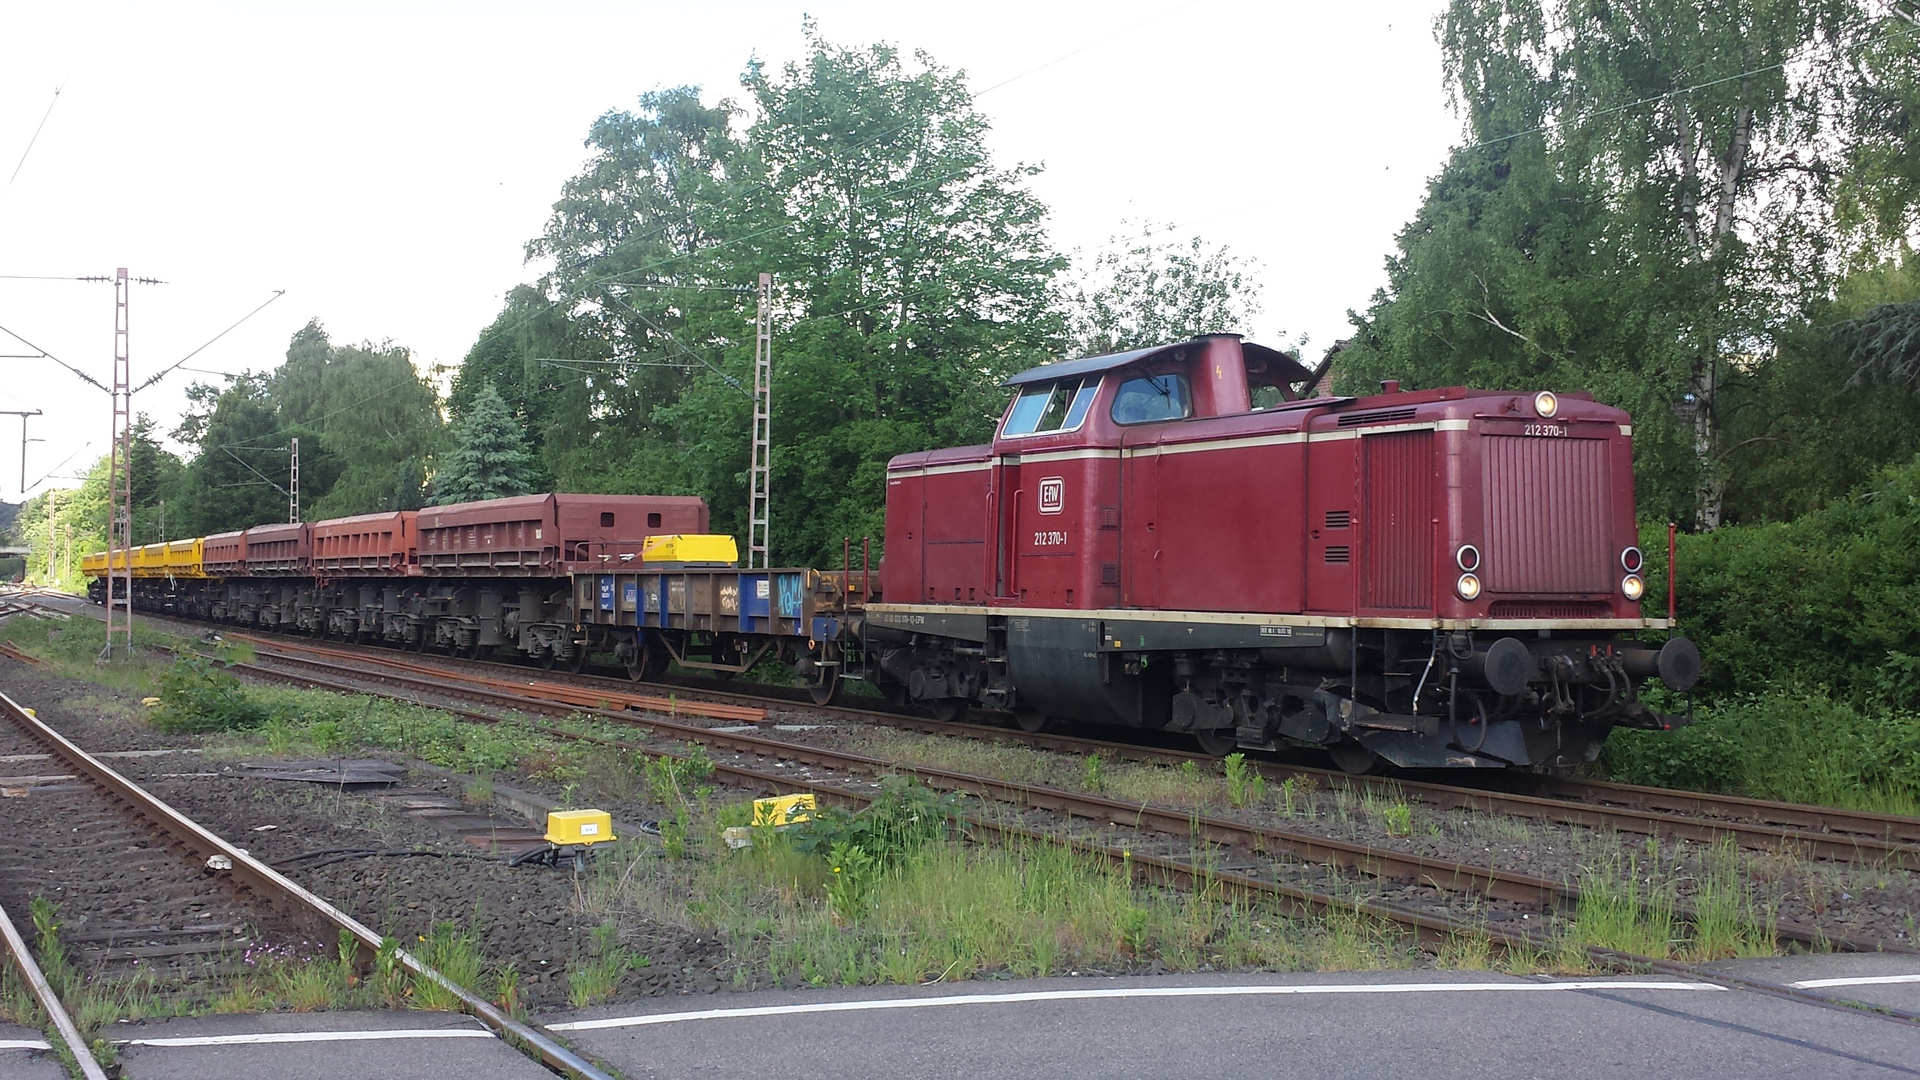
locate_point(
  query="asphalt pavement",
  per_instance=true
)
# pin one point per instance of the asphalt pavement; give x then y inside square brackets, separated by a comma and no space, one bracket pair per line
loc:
[1346,1026]
[318,1046]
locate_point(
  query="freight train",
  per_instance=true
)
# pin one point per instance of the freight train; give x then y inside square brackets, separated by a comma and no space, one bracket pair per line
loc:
[1176,538]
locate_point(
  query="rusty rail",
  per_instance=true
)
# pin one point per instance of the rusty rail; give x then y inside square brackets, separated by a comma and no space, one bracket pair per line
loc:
[257,878]
[62,1024]
[1365,859]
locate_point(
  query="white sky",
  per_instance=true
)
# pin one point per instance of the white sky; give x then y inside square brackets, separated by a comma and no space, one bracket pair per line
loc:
[384,163]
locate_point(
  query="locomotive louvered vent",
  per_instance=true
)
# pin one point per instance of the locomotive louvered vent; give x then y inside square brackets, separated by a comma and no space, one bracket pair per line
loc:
[1109,517]
[1549,609]
[1339,519]
[1384,416]
[1109,573]
[1339,554]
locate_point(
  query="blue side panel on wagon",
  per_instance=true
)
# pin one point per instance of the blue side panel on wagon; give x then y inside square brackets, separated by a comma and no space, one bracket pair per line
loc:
[781,603]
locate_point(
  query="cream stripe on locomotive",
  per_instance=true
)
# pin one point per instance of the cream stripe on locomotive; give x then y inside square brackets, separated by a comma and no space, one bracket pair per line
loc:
[1240,618]
[1039,457]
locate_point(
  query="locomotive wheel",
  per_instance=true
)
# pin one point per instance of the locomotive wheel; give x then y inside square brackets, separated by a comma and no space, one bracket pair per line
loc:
[1353,758]
[1218,742]
[947,710]
[1031,721]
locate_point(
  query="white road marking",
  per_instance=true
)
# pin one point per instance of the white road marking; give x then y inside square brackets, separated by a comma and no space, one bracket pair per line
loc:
[1858,980]
[23,1044]
[1125,992]
[311,1037]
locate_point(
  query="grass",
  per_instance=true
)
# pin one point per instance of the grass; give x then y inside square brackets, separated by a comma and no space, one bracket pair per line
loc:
[951,910]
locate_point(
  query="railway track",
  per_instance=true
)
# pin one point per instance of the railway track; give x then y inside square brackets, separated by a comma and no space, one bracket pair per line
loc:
[1274,875]
[1845,836]
[189,870]
[1823,833]
[1302,867]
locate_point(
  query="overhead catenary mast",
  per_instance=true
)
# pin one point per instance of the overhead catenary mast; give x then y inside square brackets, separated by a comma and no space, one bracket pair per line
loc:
[120,485]
[761,469]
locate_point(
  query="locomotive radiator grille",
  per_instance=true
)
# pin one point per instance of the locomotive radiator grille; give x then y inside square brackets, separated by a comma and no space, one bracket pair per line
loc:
[1398,521]
[1546,509]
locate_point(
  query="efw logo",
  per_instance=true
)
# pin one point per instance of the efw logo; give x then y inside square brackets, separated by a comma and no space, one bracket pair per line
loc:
[1053,495]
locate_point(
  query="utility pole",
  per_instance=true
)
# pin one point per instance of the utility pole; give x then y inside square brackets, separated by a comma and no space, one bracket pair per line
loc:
[293,482]
[761,470]
[23,443]
[120,483]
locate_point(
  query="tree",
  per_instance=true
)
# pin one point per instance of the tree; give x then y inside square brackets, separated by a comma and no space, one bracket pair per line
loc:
[1648,195]
[489,459]
[912,275]
[367,421]
[1156,292]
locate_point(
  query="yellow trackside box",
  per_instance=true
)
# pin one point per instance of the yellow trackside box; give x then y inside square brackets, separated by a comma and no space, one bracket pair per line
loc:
[704,549]
[785,810]
[583,827]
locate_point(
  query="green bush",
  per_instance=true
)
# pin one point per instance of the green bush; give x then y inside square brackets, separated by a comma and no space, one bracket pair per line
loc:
[198,695]
[1798,746]
[1829,599]
[904,818]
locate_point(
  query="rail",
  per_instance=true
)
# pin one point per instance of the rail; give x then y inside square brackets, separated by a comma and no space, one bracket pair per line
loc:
[270,886]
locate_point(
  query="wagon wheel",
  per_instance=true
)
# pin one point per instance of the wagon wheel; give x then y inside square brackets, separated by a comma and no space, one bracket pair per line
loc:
[946,710]
[577,660]
[648,661]
[476,650]
[548,659]
[1218,742]
[421,639]
[824,686]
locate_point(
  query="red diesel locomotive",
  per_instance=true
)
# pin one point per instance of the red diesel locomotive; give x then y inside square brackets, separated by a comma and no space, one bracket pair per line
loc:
[1173,538]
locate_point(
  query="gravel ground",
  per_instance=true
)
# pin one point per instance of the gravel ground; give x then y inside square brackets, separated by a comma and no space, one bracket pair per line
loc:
[525,916]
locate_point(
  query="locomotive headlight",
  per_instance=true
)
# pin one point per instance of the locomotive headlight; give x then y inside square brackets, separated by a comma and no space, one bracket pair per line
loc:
[1631,560]
[1468,557]
[1546,404]
[1468,587]
[1632,587]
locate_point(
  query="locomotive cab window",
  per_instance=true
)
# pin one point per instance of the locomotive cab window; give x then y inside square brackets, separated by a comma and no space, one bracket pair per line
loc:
[1050,407]
[1153,397]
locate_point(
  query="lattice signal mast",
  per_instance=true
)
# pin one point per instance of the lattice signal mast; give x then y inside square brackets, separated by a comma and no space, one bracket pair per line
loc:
[761,472]
[120,485]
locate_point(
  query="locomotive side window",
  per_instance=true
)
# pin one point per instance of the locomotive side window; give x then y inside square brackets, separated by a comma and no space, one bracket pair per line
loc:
[1152,397]
[1059,406]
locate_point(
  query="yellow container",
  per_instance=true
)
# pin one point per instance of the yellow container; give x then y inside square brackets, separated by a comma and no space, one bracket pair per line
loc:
[784,810]
[583,827]
[94,565]
[183,558]
[690,548]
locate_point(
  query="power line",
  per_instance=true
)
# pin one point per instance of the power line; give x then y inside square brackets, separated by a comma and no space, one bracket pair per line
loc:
[164,372]
[97,384]
[36,135]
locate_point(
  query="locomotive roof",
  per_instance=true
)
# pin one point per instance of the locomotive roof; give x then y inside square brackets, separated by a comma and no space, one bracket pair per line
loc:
[1281,364]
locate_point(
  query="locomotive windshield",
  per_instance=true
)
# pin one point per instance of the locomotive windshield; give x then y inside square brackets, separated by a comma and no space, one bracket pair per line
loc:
[1057,406]
[1152,397]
